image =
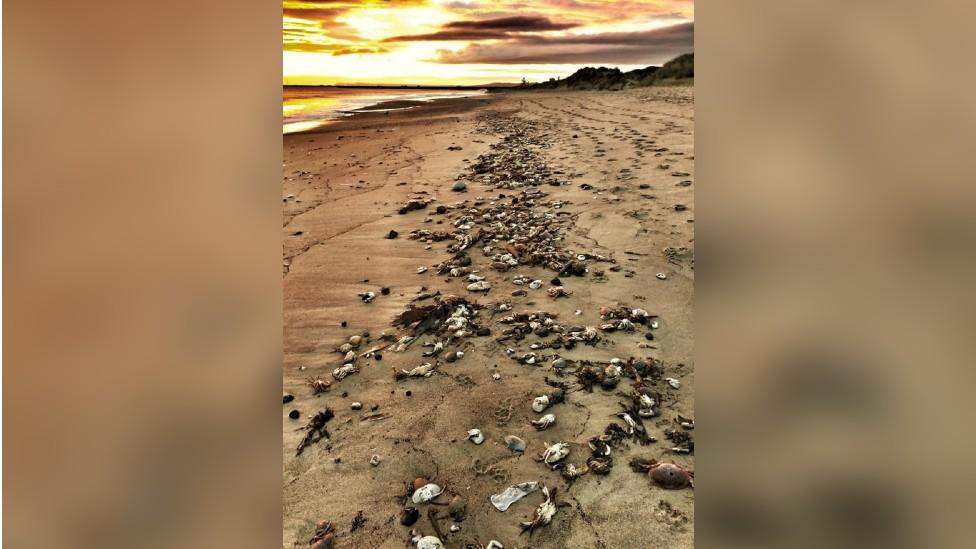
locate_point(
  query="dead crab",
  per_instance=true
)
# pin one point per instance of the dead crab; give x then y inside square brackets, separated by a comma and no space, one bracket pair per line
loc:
[543,513]
[424,370]
[318,385]
[544,422]
[554,454]
[323,538]
[344,370]
[666,475]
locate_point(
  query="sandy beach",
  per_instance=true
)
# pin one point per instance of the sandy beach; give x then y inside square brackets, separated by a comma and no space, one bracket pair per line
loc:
[615,184]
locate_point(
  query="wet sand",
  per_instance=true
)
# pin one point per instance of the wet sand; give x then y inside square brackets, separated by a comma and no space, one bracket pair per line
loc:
[626,160]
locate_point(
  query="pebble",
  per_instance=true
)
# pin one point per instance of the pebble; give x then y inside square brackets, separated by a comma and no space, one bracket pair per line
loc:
[294,414]
[375,460]
[392,234]
[357,405]
[515,444]
[459,186]
[287,397]
[661,276]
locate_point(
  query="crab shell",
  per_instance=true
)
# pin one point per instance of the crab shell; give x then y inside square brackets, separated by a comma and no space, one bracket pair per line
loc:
[600,465]
[671,476]
[555,453]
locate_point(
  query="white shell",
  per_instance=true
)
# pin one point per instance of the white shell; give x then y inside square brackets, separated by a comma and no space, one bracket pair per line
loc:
[535,284]
[540,403]
[475,436]
[545,421]
[426,493]
[674,383]
[496,376]
[421,270]
[428,542]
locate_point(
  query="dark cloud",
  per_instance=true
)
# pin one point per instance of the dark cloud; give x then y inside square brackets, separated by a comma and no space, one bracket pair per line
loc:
[624,48]
[488,29]
[517,23]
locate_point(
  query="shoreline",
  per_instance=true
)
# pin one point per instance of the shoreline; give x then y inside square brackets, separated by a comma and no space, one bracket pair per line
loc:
[343,184]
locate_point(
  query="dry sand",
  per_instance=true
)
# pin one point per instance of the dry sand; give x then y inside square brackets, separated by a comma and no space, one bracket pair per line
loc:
[342,187]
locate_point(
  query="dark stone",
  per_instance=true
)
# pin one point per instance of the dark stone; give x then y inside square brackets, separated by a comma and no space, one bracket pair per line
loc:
[377,356]
[344,324]
[385,291]
[392,234]
[556,282]
[409,393]
[441,209]
[649,336]
[294,414]
[287,397]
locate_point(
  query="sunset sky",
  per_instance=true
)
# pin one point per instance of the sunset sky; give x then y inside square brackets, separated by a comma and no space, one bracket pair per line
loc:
[465,42]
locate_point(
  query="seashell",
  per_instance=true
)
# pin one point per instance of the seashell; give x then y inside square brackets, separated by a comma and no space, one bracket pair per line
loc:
[357,405]
[475,436]
[421,270]
[409,516]
[544,422]
[375,460]
[654,325]
[646,408]
[535,284]
[494,544]
[426,493]
[515,444]
[540,403]
[661,276]
[496,376]
[454,528]
[674,383]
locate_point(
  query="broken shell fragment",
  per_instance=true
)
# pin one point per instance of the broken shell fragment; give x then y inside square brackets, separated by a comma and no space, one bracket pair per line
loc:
[367,297]
[661,276]
[535,284]
[515,444]
[476,436]
[674,383]
[512,494]
[426,493]
[374,460]
[421,270]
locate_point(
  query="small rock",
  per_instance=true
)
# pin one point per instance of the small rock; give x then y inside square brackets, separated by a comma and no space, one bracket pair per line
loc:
[409,516]
[392,234]
[357,405]
[515,444]
[375,460]
[661,276]
[459,186]
[294,414]
[287,397]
